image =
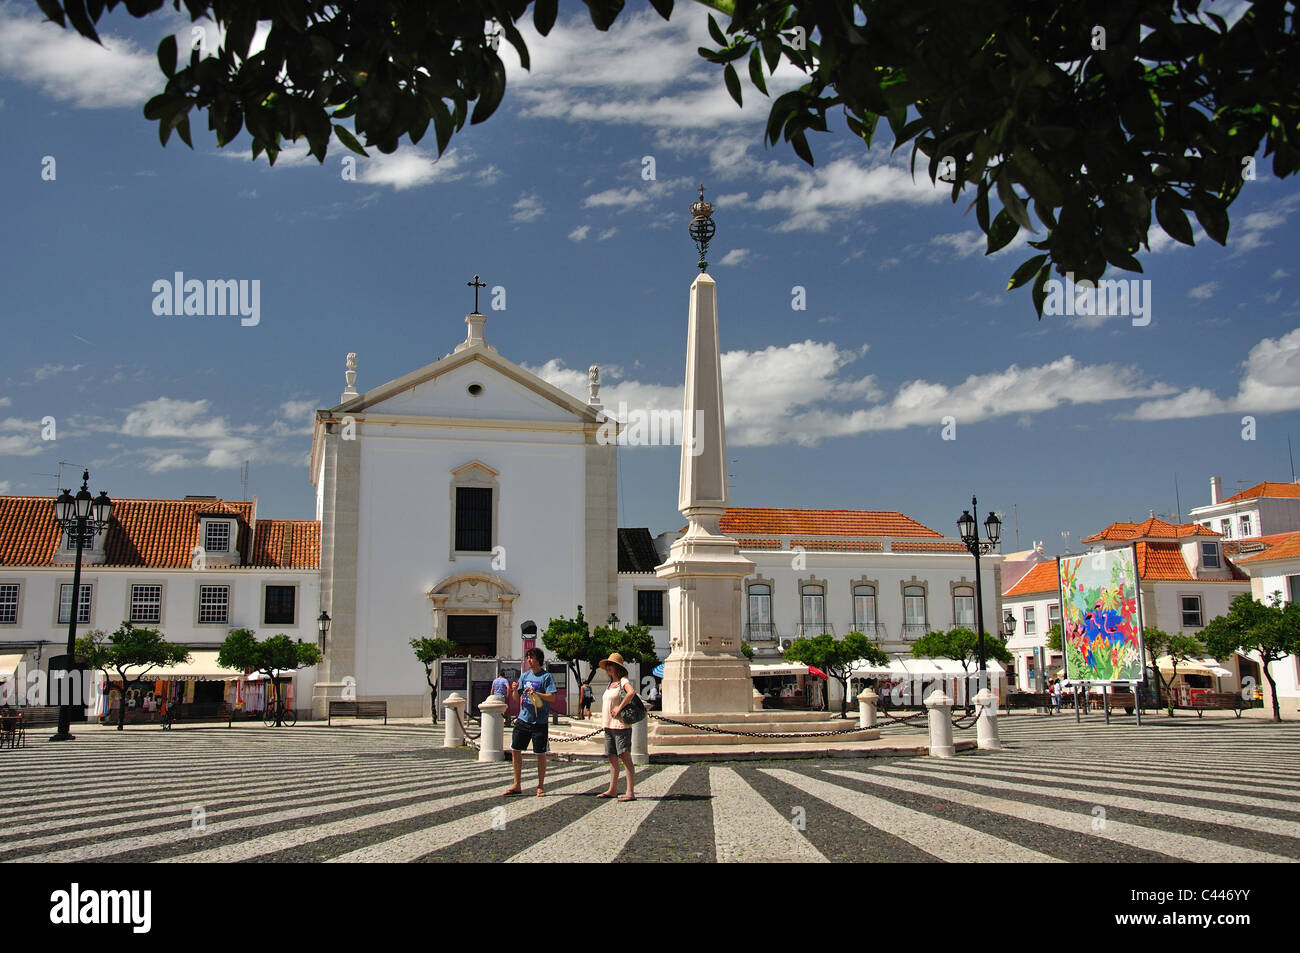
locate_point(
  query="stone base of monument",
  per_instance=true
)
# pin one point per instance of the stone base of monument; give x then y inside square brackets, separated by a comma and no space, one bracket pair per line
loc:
[785,725]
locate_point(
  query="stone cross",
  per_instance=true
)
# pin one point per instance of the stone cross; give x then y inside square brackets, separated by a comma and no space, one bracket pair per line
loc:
[475,284]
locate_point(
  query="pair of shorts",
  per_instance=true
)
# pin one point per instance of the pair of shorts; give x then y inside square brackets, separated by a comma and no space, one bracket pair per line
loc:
[618,742]
[525,732]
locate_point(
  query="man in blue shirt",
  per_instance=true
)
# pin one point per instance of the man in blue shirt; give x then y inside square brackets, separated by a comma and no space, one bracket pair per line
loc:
[536,689]
[501,685]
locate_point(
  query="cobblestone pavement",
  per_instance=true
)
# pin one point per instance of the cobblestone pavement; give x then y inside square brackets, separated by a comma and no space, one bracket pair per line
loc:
[1173,790]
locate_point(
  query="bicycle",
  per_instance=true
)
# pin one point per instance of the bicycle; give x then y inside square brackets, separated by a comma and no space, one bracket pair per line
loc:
[287,717]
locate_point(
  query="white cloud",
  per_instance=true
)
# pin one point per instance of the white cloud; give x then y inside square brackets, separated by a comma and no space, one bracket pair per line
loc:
[736,256]
[1270,383]
[5,485]
[1280,273]
[963,244]
[805,392]
[528,208]
[580,233]
[607,234]
[1204,292]
[5,401]
[637,196]
[488,176]
[20,438]
[407,168]
[68,67]
[52,370]
[841,189]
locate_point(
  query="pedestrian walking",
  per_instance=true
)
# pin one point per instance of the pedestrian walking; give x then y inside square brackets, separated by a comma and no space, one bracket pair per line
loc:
[500,686]
[618,735]
[1056,695]
[584,707]
[536,690]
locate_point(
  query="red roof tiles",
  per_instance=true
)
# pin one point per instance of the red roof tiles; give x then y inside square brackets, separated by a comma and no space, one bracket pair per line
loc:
[1269,489]
[767,521]
[287,544]
[1041,578]
[1149,529]
[1278,546]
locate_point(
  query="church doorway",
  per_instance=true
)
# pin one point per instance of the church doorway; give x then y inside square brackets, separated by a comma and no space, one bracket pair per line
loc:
[474,635]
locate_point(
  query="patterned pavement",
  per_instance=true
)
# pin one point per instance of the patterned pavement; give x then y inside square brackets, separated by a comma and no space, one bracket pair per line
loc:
[1186,790]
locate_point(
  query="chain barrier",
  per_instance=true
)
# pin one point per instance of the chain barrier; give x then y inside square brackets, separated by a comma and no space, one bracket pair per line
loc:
[956,722]
[909,720]
[468,740]
[761,734]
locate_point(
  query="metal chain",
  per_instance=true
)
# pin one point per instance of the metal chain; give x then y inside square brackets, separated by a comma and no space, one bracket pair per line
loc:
[905,720]
[761,734]
[468,740]
[565,741]
[956,722]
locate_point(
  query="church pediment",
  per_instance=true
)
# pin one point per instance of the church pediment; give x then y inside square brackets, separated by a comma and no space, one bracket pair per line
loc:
[469,590]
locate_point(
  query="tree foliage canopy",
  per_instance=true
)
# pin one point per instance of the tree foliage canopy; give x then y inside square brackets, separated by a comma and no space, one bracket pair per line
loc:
[836,657]
[962,645]
[573,641]
[1070,120]
[1270,630]
[130,653]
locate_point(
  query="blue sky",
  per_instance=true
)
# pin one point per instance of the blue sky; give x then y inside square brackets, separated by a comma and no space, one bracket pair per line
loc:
[1069,422]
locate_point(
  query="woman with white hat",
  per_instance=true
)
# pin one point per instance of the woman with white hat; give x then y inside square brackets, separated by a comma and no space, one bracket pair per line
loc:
[618,735]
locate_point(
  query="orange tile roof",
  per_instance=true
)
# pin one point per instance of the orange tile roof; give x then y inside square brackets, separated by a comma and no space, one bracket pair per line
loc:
[302,537]
[839,545]
[151,533]
[1279,546]
[900,546]
[1162,562]
[1041,578]
[767,521]
[1149,529]
[759,543]
[1267,488]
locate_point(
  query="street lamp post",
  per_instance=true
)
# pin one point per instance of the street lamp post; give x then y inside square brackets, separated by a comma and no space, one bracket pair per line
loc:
[323,625]
[78,515]
[970,537]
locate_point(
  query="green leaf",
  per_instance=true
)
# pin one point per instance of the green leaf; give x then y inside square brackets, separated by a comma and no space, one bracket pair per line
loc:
[715,31]
[544,13]
[167,55]
[1003,231]
[349,140]
[603,14]
[663,7]
[1212,214]
[733,83]
[800,143]
[756,70]
[490,95]
[1013,203]
[54,10]
[1039,293]
[1026,271]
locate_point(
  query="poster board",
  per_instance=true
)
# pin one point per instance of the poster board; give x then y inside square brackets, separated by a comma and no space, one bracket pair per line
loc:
[1101,619]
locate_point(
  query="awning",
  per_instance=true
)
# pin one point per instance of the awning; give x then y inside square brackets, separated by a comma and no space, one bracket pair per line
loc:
[1195,666]
[764,669]
[279,673]
[908,667]
[9,665]
[202,667]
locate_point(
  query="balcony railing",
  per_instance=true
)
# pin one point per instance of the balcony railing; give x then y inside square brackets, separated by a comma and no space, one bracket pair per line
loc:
[914,630]
[760,631]
[808,630]
[872,630]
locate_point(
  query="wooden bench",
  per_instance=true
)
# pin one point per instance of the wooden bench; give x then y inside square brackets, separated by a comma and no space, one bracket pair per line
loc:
[1028,700]
[357,710]
[1218,701]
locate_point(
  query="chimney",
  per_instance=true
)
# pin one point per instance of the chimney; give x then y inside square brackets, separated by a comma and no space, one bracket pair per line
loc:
[1151,514]
[1216,489]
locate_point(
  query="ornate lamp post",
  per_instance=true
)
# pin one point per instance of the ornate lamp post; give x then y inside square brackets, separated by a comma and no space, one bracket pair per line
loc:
[78,515]
[323,625]
[702,228]
[970,538]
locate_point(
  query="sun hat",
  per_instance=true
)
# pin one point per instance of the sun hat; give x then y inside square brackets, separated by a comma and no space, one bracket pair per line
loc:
[615,658]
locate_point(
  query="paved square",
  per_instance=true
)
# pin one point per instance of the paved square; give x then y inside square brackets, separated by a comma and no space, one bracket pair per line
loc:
[1186,790]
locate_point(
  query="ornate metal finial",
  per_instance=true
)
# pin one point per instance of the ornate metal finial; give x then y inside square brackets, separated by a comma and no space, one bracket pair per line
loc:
[702,228]
[475,284]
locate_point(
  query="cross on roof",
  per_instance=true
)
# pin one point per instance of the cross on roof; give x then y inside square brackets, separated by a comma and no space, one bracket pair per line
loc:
[475,284]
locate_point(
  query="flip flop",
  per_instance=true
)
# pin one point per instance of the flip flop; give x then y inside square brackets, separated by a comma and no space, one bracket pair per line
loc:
[512,792]
[606,795]
[541,793]
[627,799]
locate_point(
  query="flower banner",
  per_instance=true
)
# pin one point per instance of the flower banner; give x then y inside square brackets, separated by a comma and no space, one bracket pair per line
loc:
[1101,628]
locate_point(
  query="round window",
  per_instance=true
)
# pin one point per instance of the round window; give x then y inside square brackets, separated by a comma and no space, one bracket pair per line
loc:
[475,389]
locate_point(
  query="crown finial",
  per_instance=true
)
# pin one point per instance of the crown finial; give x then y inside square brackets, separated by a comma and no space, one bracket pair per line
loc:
[702,228]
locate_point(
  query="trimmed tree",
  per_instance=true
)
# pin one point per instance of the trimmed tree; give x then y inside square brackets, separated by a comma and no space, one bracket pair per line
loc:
[131,653]
[429,651]
[837,657]
[241,650]
[1272,631]
[1178,648]
[962,645]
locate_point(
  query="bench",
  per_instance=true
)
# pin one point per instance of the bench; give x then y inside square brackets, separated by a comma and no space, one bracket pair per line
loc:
[357,710]
[1028,700]
[1217,701]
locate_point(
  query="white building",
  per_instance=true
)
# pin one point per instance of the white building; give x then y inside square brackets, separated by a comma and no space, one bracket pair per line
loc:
[1186,581]
[1264,509]
[193,568]
[456,502]
[1276,568]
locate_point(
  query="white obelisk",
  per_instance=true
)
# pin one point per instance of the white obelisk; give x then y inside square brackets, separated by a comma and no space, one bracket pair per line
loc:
[705,670]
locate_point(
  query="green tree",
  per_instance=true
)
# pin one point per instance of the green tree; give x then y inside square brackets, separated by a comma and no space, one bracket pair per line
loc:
[242,650]
[1054,637]
[837,657]
[747,650]
[131,653]
[428,651]
[1272,631]
[573,642]
[569,640]
[1090,113]
[962,645]
[1179,648]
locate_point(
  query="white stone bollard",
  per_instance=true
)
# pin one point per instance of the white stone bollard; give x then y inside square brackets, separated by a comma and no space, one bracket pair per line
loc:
[986,728]
[867,708]
[940,706]
[641,741]
[756,701]
[454,735]
[492,711]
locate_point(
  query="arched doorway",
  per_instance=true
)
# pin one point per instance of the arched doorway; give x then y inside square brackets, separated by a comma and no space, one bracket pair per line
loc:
[474,610]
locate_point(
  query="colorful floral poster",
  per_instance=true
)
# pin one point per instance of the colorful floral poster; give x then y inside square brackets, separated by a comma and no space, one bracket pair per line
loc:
[1101,625]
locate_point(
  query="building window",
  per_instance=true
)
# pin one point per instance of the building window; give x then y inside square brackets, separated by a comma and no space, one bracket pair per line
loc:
[814,610]
[473,519]
[864,608]
[1053,615]
[1246,528]
[70,539]
[216,536]
[1031,623]
[9,603]
[1210,555]
[650,608]
[963,606]
[281,601]
[758,624]
[214,603]
[146,604]
[65,604]
[1293,585]
[914,624]
[1191,612]
[1225,527]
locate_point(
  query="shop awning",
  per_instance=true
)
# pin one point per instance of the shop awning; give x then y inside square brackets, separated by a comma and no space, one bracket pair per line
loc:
[908,667]
[202,667]
[764,669]
[9,665]
[1195,666]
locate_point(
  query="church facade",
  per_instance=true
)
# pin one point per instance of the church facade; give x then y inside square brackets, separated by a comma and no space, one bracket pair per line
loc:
[456,502]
